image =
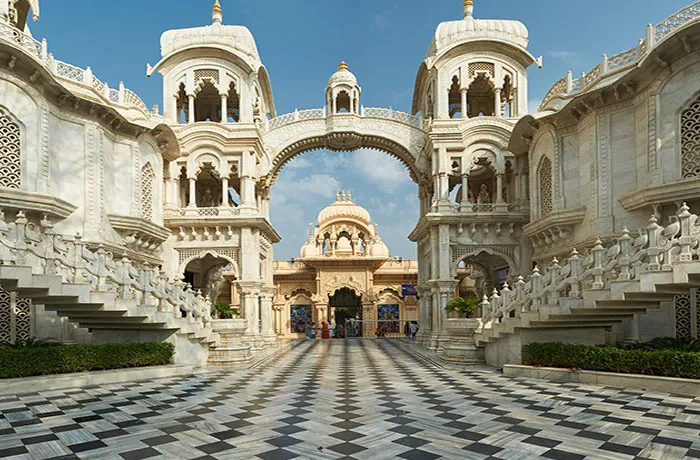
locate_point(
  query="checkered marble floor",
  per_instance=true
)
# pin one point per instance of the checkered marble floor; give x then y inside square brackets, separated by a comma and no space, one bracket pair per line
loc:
[348,399]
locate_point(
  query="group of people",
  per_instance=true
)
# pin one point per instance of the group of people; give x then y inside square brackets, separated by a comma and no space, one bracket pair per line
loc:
[327,331]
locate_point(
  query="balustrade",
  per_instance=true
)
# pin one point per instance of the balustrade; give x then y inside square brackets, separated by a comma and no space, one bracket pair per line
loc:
[23,243]
[655,249]
[567,87]
[39,51]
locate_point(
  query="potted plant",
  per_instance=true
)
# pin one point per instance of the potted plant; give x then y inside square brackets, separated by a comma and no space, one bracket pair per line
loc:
[464,308]
[225,311]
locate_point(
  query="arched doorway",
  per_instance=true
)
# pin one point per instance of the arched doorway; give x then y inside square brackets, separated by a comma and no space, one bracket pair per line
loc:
[346,304]
[214,277]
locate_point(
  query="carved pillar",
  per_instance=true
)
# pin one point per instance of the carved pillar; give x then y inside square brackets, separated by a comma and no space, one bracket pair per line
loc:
[266,312]
[224,108]
[465,204]
[193,193]
[464,103]
[497,104]
[250,307]
[248,199]
[369,313]
[224,192]
[499,188]
[190,110]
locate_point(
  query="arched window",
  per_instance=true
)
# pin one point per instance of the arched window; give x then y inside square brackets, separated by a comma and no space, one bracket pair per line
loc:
[544,176]
[10,153]
[148,179]
[454,98]
[690,148]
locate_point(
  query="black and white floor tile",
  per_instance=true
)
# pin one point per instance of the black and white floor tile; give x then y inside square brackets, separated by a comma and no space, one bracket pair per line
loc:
[349,399]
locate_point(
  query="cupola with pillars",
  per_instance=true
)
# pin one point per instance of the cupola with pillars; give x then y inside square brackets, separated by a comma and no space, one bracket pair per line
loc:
[213,74]
[474,68]
[343,92]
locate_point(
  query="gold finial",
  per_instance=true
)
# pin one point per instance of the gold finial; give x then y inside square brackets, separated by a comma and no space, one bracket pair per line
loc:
[468,8]
[343,66]
[217,7]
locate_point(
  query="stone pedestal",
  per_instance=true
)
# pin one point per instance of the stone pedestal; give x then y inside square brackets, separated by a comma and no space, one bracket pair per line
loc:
[229,349]
[461,348]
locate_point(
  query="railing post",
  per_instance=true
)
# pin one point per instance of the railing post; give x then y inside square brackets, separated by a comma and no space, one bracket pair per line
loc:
[87,76]
[598,252]
[122,94]
[554,281]
[653,252]
[604,65]
[21,238]
[485,308]
[44,51]
[625,255]
[686,240]
[535,283]
[651,38]
[575,264]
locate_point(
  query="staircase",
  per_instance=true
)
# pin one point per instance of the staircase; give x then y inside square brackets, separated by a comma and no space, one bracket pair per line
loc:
[605,287]
[113,299]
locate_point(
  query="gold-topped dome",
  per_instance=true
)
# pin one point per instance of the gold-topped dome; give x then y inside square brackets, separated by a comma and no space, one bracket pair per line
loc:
[344,208]
[343,76]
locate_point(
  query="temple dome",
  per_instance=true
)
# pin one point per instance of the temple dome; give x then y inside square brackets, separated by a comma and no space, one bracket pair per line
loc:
[234,39]
[343,76]
[452,33]
[344,207]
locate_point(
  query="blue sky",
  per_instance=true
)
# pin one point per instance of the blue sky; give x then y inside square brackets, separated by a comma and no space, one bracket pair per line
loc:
[301,43]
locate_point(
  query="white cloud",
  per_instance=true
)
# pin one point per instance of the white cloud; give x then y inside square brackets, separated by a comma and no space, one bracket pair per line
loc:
[380,169]
[570,57]
[533,105]
[305,188]
[332,161]
[298,163]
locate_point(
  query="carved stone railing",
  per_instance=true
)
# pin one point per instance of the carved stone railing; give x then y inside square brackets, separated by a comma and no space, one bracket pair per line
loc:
[652,249]
[320,114]
[37,246]
[204,212]
[120,98]
[568,87]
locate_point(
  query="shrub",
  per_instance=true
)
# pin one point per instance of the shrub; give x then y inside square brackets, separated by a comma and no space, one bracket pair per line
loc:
[462,306]
[23,362]
[225,311]
[31,342]
[667,363]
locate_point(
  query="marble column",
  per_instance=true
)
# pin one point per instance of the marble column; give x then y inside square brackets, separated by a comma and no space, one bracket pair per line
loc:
[190,109]
[465,204]
[193,193]
[224,108]
[497,104]
[250,307]
[464,103]
[224,192]
[266,312]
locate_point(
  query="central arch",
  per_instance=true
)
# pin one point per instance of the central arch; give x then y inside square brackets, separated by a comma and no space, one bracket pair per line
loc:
[403,140]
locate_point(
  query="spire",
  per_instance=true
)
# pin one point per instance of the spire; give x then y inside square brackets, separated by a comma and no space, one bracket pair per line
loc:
[349,196]
[468,8]
[342,66]
[217,16]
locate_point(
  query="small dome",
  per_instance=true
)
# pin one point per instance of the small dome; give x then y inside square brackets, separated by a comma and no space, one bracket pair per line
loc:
[343,76]
[308,250]
[344,207]
[452,33]
[235,39]
[379,249]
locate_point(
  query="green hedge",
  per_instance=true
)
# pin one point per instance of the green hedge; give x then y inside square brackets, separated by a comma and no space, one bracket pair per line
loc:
[667,363]
[24,362]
